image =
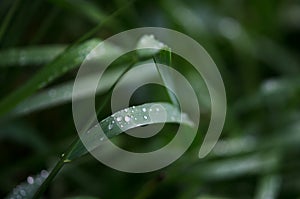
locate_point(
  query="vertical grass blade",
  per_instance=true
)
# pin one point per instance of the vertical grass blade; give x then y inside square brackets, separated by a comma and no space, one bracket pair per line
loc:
[8,18]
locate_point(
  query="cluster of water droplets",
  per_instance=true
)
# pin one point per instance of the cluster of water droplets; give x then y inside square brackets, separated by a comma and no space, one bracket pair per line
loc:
[129,118]
[132,117]
[28,189]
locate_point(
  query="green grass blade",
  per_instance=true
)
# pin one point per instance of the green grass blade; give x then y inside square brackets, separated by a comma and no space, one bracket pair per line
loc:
[258,163]
[8,18]
[67,61]
[62,94]
[33,55]
[136,116]
[164,57]
[139,114]
[268,187]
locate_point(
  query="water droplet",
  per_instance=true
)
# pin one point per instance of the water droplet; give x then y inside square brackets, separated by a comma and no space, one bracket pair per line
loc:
[119,119]
[126,110]
[30,180]
[122,126]
[144,109]
[135,118]
[133,107]
[110,126]
[23,193]
[157,109]
[127,118]
[44,173]
[101,139]
[150,109]
[113,122]
[145,117]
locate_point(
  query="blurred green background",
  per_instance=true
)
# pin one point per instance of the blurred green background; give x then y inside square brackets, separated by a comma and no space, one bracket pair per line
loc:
[256,46]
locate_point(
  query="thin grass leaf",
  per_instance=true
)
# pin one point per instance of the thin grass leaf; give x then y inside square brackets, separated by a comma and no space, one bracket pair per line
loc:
[150,113]
[8,18]
[21,23]
[268,187]
[164,57]
[67,61]
[129,118]
[250,144]
[272,92]
[62,94]
[45,26]
[34,55]
[258,163]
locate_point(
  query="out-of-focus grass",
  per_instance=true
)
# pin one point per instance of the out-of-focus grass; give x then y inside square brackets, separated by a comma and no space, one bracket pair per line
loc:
[256,47]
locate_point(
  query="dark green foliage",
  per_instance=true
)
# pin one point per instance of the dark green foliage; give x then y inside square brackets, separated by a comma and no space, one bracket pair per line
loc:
[255,45]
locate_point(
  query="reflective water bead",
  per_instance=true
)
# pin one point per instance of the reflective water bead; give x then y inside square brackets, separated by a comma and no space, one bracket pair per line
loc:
[119,119]
[127,118]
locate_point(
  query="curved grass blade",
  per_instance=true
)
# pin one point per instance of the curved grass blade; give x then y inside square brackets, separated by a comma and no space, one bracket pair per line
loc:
[115,125]
[62,94]
[30,55]
[129,118]
[67,61]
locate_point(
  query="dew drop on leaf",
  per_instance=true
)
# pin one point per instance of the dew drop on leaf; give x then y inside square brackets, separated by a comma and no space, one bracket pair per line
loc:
[30,180]
[119,119]
[127,118]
